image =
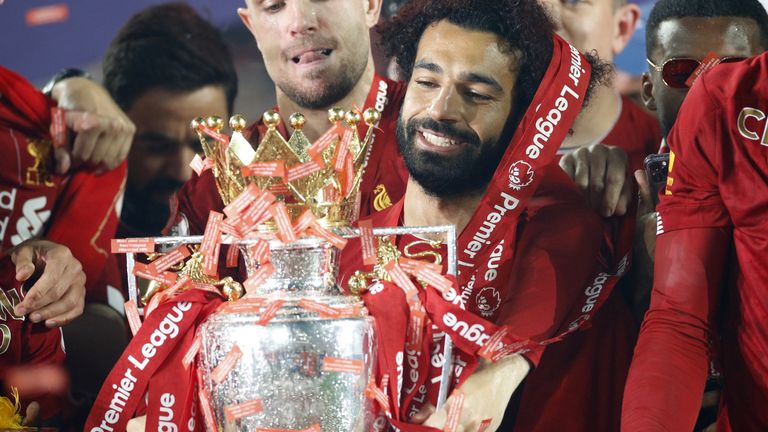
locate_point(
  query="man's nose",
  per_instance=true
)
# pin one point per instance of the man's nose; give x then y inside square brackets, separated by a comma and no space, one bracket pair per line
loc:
[177,165]
[302,17]
[446,106]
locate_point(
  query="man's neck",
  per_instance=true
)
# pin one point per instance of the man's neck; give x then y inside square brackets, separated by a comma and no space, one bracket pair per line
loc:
[317,119]
[596,120]
[421,209]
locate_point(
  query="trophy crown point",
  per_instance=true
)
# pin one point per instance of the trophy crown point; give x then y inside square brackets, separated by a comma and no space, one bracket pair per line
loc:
[352,118]
[371,116]
[336,114]
[237,123]
[197,124]
[215,123]
[297,120]
[271,119]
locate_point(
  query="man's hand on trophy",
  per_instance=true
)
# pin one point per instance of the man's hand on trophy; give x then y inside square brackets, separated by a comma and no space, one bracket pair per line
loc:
[600,171]
[103,133]
[57,295]
[137,424]
[486,395]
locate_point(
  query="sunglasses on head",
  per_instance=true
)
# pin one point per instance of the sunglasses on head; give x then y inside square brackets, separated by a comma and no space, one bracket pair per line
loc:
[676,71]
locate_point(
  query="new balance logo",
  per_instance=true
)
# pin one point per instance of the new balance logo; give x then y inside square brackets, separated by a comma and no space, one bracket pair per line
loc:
[34,216]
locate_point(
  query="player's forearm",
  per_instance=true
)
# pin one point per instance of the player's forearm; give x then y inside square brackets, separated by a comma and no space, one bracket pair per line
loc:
[667,377]
[666,381]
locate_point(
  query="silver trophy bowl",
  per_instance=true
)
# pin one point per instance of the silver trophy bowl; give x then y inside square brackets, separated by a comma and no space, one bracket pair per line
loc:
[288,364]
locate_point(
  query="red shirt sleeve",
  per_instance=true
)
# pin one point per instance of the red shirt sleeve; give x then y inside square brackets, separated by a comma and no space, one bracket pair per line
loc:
[85,219]
[666,380]
[691,198]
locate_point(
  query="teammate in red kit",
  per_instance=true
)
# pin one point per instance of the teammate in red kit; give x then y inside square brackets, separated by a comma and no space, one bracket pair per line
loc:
[680,34]
[36,203]
[318,54]
[709,282]
[605,26]
[468,108]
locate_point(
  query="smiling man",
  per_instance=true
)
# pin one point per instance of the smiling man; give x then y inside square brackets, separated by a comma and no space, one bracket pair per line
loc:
[491,94]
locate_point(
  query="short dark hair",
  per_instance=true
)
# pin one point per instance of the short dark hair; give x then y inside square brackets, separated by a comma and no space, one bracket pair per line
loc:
[524,25]
[665,10]
[169,47]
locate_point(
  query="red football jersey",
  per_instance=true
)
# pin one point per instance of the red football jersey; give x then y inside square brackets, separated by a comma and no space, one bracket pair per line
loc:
[636,132]
[556,253]
[77,210]
[28,197]
[584,374]
[717,192]
[383,181]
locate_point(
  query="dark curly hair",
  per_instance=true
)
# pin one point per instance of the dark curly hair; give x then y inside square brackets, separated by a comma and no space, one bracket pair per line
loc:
[524,25]
[169,47]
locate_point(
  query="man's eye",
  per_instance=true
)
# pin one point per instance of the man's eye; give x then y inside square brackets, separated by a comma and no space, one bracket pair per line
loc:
[273,7]
[479,96]
[426,84]
[572,2]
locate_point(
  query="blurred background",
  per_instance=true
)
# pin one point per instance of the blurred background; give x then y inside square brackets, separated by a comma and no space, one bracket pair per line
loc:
[39,37]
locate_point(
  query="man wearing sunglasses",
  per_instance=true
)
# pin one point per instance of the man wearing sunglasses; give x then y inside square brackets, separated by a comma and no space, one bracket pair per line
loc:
[682,33]
[709,296]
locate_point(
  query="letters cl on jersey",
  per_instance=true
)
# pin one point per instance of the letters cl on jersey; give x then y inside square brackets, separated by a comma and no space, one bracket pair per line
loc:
[750,123]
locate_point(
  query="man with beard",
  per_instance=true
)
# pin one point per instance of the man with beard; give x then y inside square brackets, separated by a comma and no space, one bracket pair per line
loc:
[710,281]
[166,66]
[318,55]
[468,131]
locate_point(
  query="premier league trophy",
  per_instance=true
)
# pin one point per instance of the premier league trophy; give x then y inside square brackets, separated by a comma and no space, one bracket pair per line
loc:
[306,352]
[289,351]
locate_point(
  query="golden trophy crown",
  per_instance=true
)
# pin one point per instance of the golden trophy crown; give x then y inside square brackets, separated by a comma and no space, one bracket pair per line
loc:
[323,176]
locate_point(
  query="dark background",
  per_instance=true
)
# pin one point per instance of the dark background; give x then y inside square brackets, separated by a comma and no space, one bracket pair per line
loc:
[39,37]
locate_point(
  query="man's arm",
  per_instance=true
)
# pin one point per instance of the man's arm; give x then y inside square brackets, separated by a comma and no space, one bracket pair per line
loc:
[670,366]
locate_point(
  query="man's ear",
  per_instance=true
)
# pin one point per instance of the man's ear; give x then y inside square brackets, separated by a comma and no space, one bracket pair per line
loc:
[625,21]
[646,92]
[245,17]
[372,12]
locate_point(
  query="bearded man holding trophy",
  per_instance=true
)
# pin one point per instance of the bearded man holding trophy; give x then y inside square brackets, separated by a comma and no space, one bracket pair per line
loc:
[280,347]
